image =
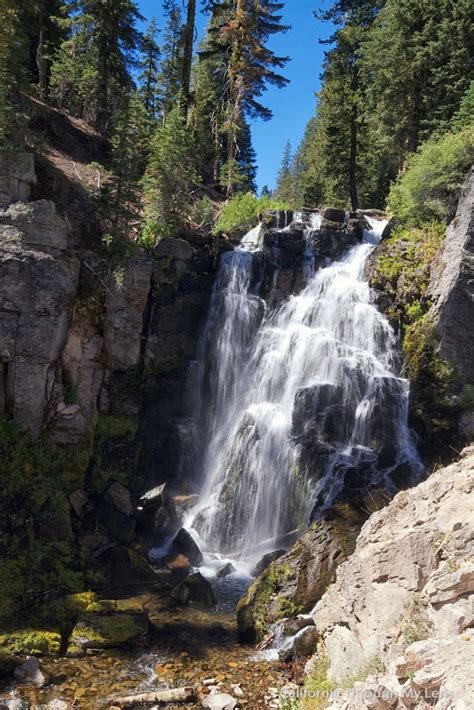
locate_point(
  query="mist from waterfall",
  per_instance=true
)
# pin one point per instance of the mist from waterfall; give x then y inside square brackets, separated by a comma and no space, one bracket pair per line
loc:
[327,351]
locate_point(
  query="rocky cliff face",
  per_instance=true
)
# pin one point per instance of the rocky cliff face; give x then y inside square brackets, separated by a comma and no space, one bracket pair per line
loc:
[405,597]
[73,321]
[94,349]
[423,279]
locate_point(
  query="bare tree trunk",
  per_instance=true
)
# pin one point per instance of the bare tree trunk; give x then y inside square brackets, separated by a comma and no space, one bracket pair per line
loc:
[188,55]
[353,154]
[40,58]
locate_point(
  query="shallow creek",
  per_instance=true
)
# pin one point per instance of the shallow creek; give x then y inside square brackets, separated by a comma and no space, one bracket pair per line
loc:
[186,646]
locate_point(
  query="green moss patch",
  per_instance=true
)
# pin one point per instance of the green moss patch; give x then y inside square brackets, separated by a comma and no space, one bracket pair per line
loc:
[31,642]
[96,631]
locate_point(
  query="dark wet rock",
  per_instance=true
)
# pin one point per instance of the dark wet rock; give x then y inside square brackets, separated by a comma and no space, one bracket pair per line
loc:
[293,584]
[163,523]
[266,560]
[375,499]
[290,241]
[332,240]
[290,627]
[8,663]
[121,527]
[277,219]
[174,248]
[194,588]
[156,512]
[80,502]
[356,227]
[126,567]
[317,413]
[390,226]
[54,522]
[184,544]
[225,570]
[118,497]
[305,641]
[30,672]
[334,214]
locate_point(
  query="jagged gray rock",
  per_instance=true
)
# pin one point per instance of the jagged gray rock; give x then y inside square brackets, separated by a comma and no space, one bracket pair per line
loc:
[406,595]
[37,288]
[17,175]
[452,287]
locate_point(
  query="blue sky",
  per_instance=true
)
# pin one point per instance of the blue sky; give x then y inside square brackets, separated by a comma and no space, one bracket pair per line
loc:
[294,105]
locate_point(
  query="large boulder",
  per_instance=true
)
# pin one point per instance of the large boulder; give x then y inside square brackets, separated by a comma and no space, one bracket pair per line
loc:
[184,544]
[96,631]
[295,581]
[405,595]
[194,588]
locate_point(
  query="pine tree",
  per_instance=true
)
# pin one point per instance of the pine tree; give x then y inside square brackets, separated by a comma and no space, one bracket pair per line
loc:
[120,197]
[285,188]
[171,70]
[91,72]
[415,75]
[188,43]
[42,28]
[239,34]
[170,178]
[464,116]
[12,53]
[148,78]
[210,88]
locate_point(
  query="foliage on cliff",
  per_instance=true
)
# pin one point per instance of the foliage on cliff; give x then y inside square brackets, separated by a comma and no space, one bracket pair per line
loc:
[401,269]
[430,187]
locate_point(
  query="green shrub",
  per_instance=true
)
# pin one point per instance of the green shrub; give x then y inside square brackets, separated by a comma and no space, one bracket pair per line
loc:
[243,211]
[430,187]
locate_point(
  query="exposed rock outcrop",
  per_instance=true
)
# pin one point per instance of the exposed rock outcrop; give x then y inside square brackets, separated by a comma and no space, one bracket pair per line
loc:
[452,287]
[17,176]
[38,284]
[405,596]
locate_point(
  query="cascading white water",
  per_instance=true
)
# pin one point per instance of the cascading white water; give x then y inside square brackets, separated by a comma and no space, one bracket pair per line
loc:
[273,383]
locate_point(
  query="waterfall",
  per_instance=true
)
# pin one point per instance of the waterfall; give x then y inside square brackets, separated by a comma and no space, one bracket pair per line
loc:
[293,401]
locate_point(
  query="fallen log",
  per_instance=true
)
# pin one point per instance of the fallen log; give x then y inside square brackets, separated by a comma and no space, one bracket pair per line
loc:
[171,695]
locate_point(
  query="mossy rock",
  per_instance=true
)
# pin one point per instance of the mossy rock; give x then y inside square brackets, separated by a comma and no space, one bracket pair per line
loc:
[96,631]
[111,606]
[296,581]
[31,642]
[78,603]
